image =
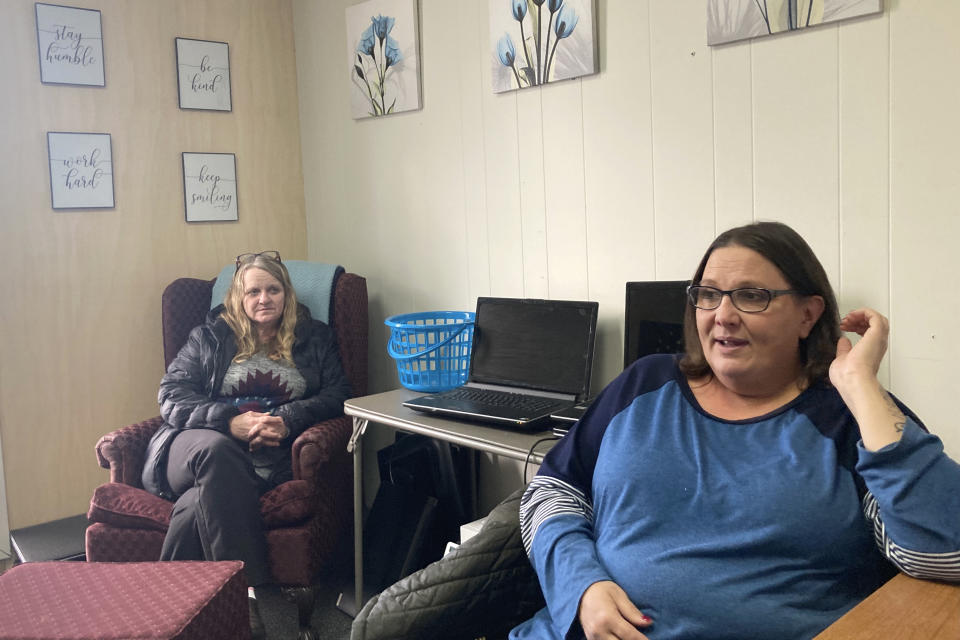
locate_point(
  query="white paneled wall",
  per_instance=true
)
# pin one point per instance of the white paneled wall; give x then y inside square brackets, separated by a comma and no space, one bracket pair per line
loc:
[924,220]
[864,171]
[847,132]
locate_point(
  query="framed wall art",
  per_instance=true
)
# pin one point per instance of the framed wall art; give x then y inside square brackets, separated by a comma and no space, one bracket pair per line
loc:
[70,45]
[203,74]
[81,170]
[383,57]
[731,20]
[210,187]
[533,43]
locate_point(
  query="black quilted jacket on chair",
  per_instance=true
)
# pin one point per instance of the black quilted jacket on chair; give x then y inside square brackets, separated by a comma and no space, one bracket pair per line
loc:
[480,590]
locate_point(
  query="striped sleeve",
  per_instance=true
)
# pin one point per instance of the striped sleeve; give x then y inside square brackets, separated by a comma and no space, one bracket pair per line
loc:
[556,521]
[929,566]
[913,503]
[556,511]
[546,498]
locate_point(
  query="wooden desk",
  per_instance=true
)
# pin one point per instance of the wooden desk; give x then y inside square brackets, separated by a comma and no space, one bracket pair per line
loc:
[386,409]
[903,609]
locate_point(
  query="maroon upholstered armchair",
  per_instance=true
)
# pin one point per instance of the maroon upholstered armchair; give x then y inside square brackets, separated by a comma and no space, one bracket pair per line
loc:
[308,520]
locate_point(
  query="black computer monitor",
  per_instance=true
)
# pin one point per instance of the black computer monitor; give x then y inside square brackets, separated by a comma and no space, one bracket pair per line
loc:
[653,318]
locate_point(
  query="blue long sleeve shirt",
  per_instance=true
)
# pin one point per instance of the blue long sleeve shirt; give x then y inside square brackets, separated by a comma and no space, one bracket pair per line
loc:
[771,527]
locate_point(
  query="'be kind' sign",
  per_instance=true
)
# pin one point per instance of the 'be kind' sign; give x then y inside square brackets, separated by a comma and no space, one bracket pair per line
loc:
[203,74]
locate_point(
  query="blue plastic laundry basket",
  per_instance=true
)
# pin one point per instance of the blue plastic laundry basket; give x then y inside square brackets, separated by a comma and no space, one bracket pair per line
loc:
[431,348]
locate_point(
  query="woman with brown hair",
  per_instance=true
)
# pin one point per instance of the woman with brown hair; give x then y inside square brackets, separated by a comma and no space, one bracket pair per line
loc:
[757,486]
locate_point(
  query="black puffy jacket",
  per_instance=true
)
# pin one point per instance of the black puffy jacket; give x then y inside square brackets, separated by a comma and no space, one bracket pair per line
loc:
[190,390]
[482,589]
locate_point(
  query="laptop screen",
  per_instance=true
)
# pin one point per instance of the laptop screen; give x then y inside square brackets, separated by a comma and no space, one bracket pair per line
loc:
[653,318]
[546,345]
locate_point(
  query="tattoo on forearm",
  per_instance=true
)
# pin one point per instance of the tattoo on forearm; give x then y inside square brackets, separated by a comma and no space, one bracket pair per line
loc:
[899,419]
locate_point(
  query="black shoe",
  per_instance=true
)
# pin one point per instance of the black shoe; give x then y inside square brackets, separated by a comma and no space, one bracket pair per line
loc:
[257,630]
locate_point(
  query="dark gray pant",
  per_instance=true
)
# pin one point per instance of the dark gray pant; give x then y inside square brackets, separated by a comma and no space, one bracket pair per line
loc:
[217,516]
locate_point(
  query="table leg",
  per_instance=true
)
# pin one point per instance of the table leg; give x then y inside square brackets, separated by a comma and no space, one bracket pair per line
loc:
[359,426]
[474,489]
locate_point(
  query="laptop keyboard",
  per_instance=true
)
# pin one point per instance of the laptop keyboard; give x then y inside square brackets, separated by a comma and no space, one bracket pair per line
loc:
[531,404]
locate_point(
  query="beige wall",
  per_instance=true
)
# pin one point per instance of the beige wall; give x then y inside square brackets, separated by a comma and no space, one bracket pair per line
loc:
[80,350]
[847,132]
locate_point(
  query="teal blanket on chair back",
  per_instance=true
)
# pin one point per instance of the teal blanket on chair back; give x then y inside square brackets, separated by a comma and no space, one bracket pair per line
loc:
[313,282]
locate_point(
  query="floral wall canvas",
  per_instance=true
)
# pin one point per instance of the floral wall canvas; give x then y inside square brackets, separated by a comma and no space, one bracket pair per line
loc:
[534,42]
[729,20]
[383,57]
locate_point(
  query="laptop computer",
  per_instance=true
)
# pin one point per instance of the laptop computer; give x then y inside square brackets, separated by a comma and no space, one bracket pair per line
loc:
[530,358]
[652,323]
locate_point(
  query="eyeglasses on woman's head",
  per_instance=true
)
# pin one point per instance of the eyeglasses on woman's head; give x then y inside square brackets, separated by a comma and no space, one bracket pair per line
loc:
[244,258]
[746,299]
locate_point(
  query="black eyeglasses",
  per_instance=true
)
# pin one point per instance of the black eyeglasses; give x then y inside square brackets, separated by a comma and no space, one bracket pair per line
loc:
[247,257]
[746,299]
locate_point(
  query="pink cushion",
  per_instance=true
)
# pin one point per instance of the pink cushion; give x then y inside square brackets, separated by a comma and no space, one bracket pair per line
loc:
[113,600]
[127,507]
[286,505]
[124,506]
[106,543]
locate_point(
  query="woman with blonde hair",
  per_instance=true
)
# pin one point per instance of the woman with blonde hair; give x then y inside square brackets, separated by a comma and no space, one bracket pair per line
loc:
[248,381]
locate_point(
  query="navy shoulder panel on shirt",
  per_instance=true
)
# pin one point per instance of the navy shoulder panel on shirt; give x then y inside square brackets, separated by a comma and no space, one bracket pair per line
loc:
[574,457]
[643,376]
[907,412]
[824,407]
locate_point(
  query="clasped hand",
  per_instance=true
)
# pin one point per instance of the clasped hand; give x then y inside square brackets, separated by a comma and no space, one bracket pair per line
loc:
[258,429]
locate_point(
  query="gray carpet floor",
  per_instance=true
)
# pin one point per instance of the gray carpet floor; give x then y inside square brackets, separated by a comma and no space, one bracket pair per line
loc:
[280,616]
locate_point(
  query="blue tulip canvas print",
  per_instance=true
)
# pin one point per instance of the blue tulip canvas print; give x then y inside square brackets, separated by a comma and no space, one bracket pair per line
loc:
[383,57]
[535,42]
[730,20]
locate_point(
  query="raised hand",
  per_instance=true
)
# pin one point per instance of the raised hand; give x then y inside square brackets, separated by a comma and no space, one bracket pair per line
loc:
[862,359]
[854,374]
